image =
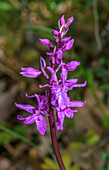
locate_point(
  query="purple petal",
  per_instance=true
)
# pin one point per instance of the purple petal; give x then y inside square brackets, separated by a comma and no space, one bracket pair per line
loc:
[69,21]
[38,100]
[63,100]
[46,42]
[44,63]
[69,84]
[46,85]
[30,119]
[60,119]
[80,85]
[68,46]
[59,54]
[53,76]
[76,104]
[54,32]
[20,117]
[71,81]
[61,21]
[29,96]
[72,65]
[27,107]
[30,72]
[65,40]
[43,67]
[41,125]
[64,31]
[49,53]
[53,73]
[64,74]
[69,113]
[44,98]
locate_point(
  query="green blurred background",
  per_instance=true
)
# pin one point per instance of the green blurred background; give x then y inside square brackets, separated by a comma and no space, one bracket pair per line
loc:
[84,142]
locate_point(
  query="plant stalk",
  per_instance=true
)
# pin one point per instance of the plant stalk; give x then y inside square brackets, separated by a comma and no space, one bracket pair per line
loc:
[54,138]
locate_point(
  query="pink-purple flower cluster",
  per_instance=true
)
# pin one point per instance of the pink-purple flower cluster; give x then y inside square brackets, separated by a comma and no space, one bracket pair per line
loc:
[57,87]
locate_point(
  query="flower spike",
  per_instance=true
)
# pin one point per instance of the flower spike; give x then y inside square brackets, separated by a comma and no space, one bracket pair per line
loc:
[56,97]
[58,88]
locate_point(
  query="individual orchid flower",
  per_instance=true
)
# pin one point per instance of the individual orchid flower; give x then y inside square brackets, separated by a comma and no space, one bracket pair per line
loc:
[33,73]
[36,114]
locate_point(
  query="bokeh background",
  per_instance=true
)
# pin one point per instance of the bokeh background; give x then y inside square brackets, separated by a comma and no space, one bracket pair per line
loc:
[84,142]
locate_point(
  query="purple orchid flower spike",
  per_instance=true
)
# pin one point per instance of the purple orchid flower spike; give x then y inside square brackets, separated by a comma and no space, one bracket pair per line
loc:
[56,97]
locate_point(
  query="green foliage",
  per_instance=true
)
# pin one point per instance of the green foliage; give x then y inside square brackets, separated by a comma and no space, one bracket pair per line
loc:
[105,158]
[106,4]
[89,3]
[5,138]
[103,87]
[16,135]
[22,130]
[50,164]
[105,98]
[90,77]
[42,30]
[92,138]
[70,122]
[75,145]
[105,121]
[6,6]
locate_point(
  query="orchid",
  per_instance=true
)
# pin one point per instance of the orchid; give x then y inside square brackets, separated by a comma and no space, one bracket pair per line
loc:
[56,97]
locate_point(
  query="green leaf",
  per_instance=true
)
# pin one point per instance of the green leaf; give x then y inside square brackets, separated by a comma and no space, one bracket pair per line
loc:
[89,134]
[42,30]
[106,4]
[90,77]
[89,3]
[104,167]
[70,122]
[93,140]
[103,87]
[102,61]
[105,99]
[5,6]
[67,160]
[22,130]
[16,135]
[5,138]
[76,145]
[101,72]
[75,167]
[104,155]
[48,164]
[105,121]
